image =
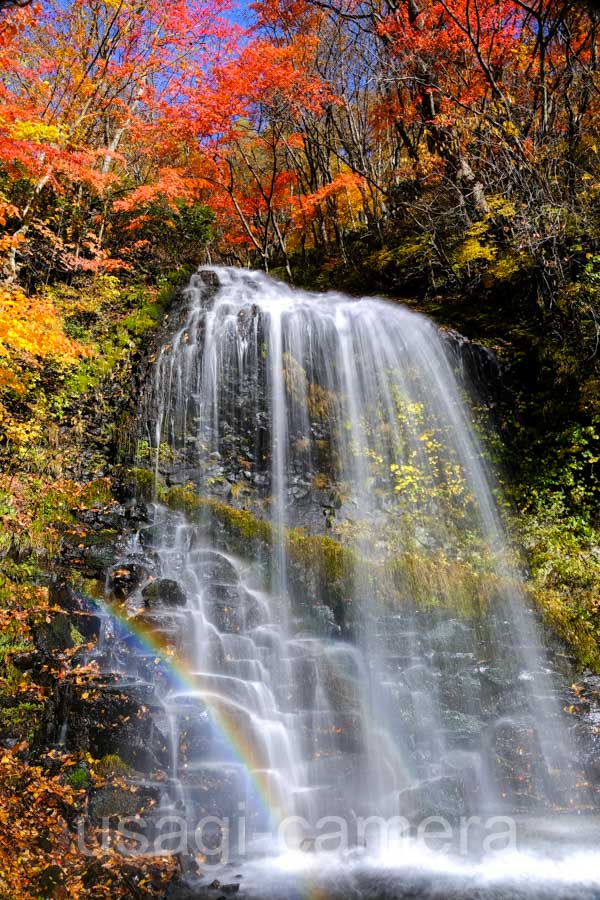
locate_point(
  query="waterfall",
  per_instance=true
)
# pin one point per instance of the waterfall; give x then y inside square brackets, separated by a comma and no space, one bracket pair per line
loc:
[349,632]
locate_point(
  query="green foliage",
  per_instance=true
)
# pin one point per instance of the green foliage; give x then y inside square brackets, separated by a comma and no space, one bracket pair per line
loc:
[110,318]
[145,453]
[77,639]
[564,554]
[556,492]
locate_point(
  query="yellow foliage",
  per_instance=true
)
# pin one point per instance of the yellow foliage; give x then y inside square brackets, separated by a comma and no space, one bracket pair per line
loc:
[30,325]
[507,266]
[478,244]
[510,129]
[473,250]
[500,206]
[31,333]
[38,132]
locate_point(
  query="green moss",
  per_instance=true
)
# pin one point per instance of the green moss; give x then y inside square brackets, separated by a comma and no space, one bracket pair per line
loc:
[329,567]
[570,624]
[21,721]
[79,778]
[240,521]
[322,552]
[145,483]
[96,493]
[112,766]
[76,636]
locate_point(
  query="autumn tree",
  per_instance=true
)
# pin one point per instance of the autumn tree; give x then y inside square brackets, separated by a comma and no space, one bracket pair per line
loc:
[83,87]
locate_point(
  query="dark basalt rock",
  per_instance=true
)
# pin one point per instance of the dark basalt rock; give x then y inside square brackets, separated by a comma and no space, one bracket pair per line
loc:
[324,619]
[179,890]
[518,761]
[461,728]
[104,720]
[216,568]
[128,577]
[475,363]
[105,518]
[461,691]
[451,635]
[81,608]
[299,692]
[164,592]
[54,636]
[231,608]
[90,552]
[183,475]
[28,661]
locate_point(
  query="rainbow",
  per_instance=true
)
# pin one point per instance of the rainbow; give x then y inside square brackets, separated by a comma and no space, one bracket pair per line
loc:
[179,675]
[273,805]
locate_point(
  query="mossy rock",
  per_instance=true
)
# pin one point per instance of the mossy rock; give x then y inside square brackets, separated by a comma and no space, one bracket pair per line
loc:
[79,777]
[112,766]
[111,800]
[143,483]
[325,567]
[55,635]
[21,721]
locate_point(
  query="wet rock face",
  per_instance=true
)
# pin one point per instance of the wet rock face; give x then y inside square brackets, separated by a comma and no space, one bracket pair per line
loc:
[231,608]
[164,592]
[55,635]
[127,577]
[105,720]
[81,610]
[94,545]
[518,762]
[215,568]
[476,364]
[442,796]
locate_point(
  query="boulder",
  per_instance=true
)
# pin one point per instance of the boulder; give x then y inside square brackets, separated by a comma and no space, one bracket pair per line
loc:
[215,567]
[231,608]
[55,635]
[112,800]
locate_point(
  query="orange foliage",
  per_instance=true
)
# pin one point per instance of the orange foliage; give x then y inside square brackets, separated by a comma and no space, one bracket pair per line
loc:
[41,848]
[31,326]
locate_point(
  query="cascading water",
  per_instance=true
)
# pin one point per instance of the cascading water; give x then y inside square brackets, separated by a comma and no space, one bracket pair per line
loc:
[327,571]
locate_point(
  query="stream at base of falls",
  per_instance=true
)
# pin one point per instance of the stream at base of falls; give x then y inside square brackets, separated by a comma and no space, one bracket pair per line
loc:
[351,694]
